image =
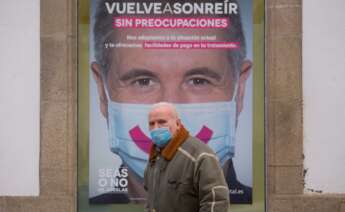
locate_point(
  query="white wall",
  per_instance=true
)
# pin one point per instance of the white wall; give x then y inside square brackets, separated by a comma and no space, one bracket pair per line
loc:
[324,95]
[19,97]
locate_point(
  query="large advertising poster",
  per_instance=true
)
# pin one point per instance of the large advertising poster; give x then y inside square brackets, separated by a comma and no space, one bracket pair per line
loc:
[198,55]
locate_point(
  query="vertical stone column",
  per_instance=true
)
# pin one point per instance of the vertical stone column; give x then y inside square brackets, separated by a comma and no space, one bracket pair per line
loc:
[285,119]
[58,140]
[58,104]
[284,102]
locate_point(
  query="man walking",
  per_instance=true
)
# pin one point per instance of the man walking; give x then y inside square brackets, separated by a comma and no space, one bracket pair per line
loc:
[183,173]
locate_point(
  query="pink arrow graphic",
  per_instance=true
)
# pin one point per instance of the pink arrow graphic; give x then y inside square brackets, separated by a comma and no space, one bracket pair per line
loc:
[144,142]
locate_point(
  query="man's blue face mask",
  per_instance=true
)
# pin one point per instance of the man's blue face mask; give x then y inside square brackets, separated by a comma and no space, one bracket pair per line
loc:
[214,123]
[161,136]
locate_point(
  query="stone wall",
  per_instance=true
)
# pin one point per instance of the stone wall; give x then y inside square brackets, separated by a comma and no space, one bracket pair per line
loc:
[58,157]
[58,145]
[284,114]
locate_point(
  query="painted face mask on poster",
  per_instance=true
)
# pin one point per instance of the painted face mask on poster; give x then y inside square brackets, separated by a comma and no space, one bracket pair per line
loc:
[213,123]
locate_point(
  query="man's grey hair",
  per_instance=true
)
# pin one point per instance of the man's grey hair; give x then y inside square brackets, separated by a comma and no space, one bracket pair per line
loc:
[104,32]
[169,105]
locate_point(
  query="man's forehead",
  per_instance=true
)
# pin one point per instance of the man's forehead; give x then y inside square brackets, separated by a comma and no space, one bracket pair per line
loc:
[161,111]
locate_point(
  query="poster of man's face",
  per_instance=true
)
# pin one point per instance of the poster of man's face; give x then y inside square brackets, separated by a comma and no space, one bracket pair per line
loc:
[201,62]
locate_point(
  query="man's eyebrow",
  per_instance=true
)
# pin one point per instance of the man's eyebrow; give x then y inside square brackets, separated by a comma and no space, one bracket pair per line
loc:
[204,71]
[133,73]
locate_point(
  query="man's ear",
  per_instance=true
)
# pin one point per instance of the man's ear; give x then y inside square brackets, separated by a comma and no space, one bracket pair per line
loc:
[179,123]
[98,77]
[244,74]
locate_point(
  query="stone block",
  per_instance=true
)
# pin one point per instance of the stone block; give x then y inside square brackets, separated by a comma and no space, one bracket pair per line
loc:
[54,69]
[289,180]
[55,17]
[284,21]
[56,204]
[271,180]
[278,205]
[11,204]
[285,67]
[72,69]
[28,204]
[71,139]
[285,132]
[55,182]
[2,204]
[270,134]
[287,202]
[342,206]
[72,24]
[19,204]
[54,127]
[52,203]
[284,3]
[320,203]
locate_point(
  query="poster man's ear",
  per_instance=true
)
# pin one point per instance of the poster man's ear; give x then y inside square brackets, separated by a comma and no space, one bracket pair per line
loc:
[244,74]
[97,75]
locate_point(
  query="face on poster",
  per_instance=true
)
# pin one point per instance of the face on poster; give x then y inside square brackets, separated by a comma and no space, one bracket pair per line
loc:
[195,54]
